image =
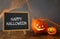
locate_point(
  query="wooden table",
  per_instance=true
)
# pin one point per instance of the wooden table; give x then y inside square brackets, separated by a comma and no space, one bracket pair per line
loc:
[29,35]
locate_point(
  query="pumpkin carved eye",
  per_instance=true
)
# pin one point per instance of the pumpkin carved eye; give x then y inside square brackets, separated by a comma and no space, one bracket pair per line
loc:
[37,25]
[42,26]
[51,30]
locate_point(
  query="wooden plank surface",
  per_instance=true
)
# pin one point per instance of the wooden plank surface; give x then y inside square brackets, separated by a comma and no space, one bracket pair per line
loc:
[29,35]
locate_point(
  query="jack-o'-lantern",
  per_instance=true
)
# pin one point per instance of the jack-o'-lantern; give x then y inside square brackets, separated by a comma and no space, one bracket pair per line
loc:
[39,26]
[51,30]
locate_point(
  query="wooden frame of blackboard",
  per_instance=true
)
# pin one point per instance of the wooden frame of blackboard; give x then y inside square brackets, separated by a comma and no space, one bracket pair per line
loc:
[18,29]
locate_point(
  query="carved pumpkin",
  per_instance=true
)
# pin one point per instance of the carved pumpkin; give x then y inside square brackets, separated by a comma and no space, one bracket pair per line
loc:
[39,26]
[52,30]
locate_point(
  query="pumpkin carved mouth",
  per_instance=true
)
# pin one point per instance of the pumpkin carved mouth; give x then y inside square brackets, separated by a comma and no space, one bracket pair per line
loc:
[39,28]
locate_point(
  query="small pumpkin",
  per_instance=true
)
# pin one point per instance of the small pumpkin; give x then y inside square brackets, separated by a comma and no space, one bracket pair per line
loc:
[51,30]
[39,26]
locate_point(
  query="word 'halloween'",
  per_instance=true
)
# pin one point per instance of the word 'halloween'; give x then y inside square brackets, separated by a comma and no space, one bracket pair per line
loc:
[16,21]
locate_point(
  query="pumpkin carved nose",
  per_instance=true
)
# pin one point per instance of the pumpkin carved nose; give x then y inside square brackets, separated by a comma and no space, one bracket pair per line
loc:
[39,27]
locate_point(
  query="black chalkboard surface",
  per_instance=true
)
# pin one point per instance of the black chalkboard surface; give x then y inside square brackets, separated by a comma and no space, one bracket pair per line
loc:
[16,21]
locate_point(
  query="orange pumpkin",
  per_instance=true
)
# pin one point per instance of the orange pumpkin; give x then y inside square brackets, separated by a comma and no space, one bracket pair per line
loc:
[39,26]
[52,30]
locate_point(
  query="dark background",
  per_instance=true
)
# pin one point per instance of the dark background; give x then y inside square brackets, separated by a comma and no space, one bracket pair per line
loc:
[39,8]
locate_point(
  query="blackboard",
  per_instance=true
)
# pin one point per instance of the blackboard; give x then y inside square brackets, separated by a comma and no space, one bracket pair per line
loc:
[16,21]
